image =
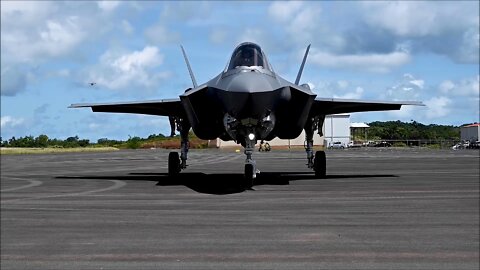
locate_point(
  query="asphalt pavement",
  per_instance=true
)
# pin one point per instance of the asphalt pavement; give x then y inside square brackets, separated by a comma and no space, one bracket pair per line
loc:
[377,209]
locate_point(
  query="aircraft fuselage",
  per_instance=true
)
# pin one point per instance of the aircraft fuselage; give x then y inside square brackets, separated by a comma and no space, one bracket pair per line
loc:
[247,100]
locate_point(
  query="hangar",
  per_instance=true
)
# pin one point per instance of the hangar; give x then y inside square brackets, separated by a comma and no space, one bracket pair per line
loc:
[470,132]
[336,128]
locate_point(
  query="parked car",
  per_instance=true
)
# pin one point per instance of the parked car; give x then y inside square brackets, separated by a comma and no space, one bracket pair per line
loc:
[337,145]
[383,144]
[354,144]
[458,146]
[369,143]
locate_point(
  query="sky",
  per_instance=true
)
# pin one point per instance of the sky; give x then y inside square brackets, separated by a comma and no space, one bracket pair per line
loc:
[409,50]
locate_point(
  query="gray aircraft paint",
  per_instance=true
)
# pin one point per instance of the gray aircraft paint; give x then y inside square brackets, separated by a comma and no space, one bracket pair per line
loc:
[247,102]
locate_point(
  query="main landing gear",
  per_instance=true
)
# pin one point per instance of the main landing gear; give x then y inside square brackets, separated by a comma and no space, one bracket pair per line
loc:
[318,161]
[176,163]
[320,164]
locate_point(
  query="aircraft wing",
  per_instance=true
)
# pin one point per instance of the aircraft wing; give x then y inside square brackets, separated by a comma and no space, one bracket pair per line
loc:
[324,106]
[165,107]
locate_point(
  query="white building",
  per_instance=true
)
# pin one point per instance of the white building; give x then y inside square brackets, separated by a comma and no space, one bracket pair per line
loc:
[336,128]
[470,132]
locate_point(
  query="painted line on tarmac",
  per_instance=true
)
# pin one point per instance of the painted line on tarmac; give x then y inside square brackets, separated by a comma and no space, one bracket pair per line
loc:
[33,183]
[116,185]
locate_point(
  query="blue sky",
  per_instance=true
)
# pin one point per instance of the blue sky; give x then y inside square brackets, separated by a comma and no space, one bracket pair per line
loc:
[50,51]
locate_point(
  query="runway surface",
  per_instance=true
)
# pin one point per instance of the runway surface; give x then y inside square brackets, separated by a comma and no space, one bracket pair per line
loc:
[377,209]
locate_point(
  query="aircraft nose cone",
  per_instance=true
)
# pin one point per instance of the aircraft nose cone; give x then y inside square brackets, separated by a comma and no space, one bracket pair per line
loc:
[250,82]
[249,93]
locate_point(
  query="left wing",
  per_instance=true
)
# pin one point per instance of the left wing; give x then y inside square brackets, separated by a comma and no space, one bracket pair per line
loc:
[324,106]
[165,107]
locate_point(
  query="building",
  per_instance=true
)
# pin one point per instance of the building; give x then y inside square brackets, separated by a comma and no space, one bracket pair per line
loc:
[359,130]
[470,132]
[336,128]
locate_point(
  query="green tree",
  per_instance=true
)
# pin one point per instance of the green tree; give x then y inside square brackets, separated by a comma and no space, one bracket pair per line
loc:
[41,141]
[134,143]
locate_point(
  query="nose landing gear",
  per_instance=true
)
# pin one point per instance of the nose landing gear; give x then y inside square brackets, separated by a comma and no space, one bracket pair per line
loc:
[250,168]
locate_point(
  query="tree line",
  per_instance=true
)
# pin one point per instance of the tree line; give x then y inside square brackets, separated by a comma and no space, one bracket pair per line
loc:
[397,130]
[390,130]
[43,141]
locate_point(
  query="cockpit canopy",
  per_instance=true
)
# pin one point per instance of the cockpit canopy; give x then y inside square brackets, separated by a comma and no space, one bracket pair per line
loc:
[248,55]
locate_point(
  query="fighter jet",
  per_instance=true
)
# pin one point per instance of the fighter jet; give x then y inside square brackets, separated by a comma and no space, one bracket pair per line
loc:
[247,102]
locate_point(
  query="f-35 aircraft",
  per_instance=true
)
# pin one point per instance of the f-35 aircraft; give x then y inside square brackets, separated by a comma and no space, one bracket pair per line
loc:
[247,102]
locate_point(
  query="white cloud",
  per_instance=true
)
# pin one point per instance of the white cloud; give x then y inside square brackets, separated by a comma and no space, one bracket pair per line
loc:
[13,80]
[408,89]
[342,84]
[283,11]
[218,36]
[357,94]
[148,57]
[21,13]
[94,126]
[438,107]
[108,6]
[447,27]
[10,121]
[127,27]
[55,38]
[466,87]
[255,35]
[418,83]
[446,86]
[416,18]
[371,62]
[134,69]
[159,34]
[342,89]
[468,51]
[301,22]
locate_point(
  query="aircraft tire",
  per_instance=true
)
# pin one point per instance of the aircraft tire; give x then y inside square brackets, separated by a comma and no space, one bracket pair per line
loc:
[320,164]
[173,164]
[249,171]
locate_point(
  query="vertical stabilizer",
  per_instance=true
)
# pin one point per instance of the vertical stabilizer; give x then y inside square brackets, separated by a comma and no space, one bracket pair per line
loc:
[303,64]
[189,68]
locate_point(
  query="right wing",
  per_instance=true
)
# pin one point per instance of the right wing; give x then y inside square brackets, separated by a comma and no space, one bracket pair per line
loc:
[165,107]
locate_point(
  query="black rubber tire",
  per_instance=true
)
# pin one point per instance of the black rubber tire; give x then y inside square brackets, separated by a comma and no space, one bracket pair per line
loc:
[173,164]
[249,171]
[320,164]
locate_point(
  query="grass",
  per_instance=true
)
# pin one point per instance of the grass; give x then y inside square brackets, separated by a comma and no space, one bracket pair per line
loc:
[48,150]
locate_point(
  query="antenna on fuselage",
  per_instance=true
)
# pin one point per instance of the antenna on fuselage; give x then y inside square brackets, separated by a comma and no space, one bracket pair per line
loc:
[189,68]
[303,64]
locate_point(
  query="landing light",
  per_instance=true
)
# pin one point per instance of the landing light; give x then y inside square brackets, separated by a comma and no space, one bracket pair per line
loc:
[251,136]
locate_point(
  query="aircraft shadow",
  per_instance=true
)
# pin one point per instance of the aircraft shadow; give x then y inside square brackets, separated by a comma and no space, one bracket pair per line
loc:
[222,183]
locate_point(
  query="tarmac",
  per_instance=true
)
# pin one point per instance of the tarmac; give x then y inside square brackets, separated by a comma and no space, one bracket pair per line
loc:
[377,209]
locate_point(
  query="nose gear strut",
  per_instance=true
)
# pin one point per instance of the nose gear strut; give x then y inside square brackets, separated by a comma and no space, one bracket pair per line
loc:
[250,164]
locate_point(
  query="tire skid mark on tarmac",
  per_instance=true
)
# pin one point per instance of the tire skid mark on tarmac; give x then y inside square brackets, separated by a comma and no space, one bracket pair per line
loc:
[116,185]
[33,183]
